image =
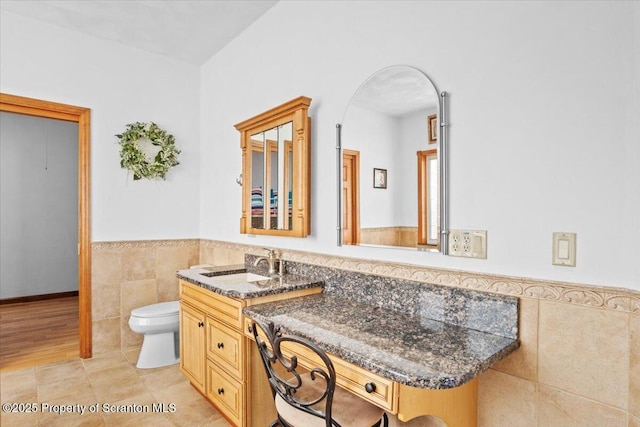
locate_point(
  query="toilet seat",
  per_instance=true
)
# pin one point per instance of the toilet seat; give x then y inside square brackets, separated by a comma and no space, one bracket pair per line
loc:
[159,324]
[163,309]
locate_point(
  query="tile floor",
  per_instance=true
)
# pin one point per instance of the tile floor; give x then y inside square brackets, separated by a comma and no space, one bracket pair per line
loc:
[111,379]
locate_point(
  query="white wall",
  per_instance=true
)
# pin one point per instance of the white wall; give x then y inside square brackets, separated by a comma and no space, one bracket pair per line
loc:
[373,134]
[39,205]
[413,137]
[120,85]
[544,121]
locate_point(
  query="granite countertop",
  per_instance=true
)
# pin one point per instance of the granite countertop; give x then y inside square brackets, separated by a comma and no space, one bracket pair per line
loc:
[211,278]
[408,348]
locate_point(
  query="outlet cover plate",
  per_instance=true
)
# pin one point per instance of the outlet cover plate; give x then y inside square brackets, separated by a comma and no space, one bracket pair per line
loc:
[468,243]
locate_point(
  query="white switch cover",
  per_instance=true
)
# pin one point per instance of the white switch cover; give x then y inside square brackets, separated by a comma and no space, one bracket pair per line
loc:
[564,249]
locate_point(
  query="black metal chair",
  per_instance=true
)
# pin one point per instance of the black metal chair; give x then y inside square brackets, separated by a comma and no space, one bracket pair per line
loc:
[309,399]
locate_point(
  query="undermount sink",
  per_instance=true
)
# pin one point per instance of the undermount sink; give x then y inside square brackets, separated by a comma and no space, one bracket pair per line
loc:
[239,278]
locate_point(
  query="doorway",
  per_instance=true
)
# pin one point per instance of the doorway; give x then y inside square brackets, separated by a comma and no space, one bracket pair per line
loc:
[351,197]
[81,116]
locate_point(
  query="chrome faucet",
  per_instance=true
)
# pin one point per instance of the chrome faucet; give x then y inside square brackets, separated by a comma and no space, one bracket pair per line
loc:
[273,257]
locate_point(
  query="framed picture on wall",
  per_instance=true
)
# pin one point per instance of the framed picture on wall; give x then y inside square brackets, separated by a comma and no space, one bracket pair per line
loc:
[432,128]
[379,178]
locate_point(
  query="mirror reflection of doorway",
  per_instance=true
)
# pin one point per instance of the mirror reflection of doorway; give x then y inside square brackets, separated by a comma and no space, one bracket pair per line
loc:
[350,197]
[45,297]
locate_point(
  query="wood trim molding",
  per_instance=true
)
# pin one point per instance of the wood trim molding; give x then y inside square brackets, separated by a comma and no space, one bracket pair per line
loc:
[82,116]
[41,297]
[296,112]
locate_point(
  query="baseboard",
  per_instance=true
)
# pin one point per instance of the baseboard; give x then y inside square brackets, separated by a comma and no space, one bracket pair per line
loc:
[31,298]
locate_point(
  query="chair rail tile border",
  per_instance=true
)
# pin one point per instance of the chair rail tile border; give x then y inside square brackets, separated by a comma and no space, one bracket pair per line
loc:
[608,298]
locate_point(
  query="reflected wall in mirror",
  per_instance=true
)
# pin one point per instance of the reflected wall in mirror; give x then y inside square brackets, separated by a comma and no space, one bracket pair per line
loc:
[276,160]
[388,125]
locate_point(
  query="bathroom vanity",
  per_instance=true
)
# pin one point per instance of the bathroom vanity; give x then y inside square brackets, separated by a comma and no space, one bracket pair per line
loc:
[214,352]
[410,348]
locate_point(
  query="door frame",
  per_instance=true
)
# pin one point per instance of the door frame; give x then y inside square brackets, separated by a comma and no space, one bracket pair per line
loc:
[354,179]
[82,116]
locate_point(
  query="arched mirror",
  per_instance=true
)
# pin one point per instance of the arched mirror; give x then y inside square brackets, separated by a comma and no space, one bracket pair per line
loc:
[391,156]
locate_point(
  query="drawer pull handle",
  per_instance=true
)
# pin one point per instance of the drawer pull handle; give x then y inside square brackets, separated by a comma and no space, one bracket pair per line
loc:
[370,387]
[200,324]
[220,345]
[220,391]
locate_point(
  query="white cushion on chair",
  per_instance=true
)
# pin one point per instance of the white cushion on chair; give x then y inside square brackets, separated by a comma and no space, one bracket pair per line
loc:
[347,409]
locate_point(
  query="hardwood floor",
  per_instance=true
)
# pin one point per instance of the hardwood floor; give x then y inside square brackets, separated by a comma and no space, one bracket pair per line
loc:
[37,332]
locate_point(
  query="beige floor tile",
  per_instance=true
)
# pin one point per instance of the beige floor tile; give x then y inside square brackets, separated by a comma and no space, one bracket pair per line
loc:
[195,413]
[149,420]
[523,362]
[108,378]
[161,378]
[131,354]
[179,394]
[557,408]
[19,386]
[70,386]
[634,422]
[506,400]
[46,374]
[104,360]
[73,409]
[584,351]
[18,419]
[127,410]
[116,383]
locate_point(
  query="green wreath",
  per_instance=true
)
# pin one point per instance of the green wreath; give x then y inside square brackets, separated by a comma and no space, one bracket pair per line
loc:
[134,159]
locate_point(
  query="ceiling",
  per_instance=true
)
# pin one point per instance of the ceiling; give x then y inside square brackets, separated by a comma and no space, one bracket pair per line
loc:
[188,30]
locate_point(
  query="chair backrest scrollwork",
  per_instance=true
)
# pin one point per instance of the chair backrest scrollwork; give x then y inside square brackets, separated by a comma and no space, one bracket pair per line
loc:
[293,387]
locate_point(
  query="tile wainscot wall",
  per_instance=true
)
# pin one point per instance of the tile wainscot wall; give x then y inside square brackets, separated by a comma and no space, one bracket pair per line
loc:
[578,363]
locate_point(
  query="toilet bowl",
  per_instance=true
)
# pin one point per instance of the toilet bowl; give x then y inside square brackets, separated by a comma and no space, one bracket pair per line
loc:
[159,323]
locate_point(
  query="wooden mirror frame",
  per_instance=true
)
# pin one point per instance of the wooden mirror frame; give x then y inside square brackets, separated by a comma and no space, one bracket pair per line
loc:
[295,111]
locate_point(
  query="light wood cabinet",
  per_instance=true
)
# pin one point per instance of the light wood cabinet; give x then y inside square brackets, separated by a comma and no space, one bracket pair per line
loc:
[225,345]
[276,170]
[192,341]
[214,352]
[374,388]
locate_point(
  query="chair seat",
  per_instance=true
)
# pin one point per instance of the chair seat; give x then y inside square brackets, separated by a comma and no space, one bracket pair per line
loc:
[348,410]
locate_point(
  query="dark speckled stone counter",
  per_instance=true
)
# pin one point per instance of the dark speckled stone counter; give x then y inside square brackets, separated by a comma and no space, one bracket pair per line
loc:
[211,278]
[411,349]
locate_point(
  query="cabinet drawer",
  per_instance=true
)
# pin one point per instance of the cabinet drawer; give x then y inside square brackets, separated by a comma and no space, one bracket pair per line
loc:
[225,346]
[226,393]
[355,379]
[225,309]
[383,391]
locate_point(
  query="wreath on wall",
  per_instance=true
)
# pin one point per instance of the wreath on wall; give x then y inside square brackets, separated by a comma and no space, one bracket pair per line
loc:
[147,151]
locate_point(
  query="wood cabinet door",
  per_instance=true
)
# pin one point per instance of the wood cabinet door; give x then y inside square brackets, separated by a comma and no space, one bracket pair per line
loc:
[192,345]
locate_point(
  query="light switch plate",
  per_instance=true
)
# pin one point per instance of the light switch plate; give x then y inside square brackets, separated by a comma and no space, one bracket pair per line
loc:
[564,249]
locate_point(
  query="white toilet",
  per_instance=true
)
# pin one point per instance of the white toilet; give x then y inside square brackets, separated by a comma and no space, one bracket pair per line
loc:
[159,323]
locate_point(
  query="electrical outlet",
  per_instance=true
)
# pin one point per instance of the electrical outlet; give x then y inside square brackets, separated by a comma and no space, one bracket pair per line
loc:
[468,243]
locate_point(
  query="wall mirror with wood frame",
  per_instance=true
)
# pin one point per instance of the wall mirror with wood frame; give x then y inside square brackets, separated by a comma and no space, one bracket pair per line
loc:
[393,124]
[276,157]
